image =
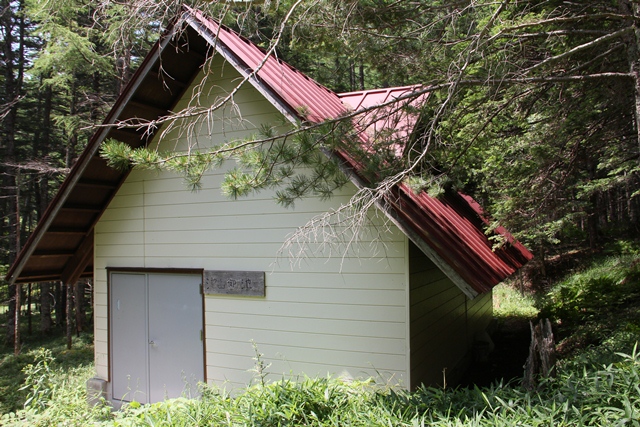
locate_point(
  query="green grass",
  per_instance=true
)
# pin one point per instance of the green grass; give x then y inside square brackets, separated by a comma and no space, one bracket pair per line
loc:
[11,375]
[509,302]
[600,304]
[580,395]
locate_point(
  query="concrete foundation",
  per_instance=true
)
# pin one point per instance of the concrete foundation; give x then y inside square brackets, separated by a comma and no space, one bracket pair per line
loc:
[96,391]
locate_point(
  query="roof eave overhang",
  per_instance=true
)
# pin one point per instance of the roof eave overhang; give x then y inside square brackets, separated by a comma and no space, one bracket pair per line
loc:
[16,269]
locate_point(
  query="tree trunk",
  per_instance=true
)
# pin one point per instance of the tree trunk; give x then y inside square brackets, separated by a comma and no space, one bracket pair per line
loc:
[542,354]
[29,323]
[46,323]
[59,297]
[632,9]
[69,315]
[16,322]
[81,317]
[123,69]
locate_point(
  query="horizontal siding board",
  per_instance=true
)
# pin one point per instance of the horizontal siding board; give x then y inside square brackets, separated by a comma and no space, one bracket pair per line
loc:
[338,296]
[127,201]
[286,222]
[250,207]
[101,324]
[443,303]
[248,250]
[310,266]
[420,264]
[249,236]
[427,277]
[117,250]
[243,351]
[121,261]
[122,214]
[440,338]
[437,354]
[251,306]
[309,340]
[99,297]
[106,227]
[133,237]
[431,294]
[438,329]
[100,311]
[478,309]
[276,322]
[101,370]
[480,315]
[131,186]
[327,281]
[239,378]
[438,319]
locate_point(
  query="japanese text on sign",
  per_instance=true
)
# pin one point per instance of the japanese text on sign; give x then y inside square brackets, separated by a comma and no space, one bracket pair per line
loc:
[249,283]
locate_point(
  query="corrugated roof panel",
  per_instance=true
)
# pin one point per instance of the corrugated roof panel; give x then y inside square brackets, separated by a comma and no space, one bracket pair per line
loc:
[395,121]
[468,246]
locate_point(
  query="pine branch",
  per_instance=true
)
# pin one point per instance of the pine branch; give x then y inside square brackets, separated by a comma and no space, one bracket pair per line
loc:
[581,47]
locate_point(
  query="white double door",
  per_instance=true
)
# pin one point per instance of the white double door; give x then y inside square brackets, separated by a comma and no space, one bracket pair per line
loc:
[156,336]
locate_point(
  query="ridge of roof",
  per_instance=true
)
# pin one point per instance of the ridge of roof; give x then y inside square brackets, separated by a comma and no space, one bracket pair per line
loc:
[307,98]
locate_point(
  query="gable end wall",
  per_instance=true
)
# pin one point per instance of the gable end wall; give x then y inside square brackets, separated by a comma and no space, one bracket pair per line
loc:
[329,315]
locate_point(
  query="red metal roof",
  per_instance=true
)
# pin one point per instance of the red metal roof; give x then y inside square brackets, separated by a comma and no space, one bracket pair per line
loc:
[309,99]
[452,227]
[395,120]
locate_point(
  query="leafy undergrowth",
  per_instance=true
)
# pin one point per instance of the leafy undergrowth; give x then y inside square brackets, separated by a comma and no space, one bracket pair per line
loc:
[591,395]
[11,367]
[511,303]
[598,306]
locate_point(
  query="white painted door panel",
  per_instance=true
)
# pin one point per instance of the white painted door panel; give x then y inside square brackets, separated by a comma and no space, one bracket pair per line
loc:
[129,337]
[175,325]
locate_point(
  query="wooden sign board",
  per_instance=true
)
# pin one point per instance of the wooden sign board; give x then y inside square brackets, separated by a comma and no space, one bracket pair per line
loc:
[247,283]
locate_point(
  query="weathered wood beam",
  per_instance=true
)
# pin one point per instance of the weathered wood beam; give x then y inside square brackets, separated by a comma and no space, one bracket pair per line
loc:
[76,265]
[52,254]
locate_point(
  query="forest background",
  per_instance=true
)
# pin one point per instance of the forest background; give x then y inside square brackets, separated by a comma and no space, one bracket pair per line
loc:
[533,105]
